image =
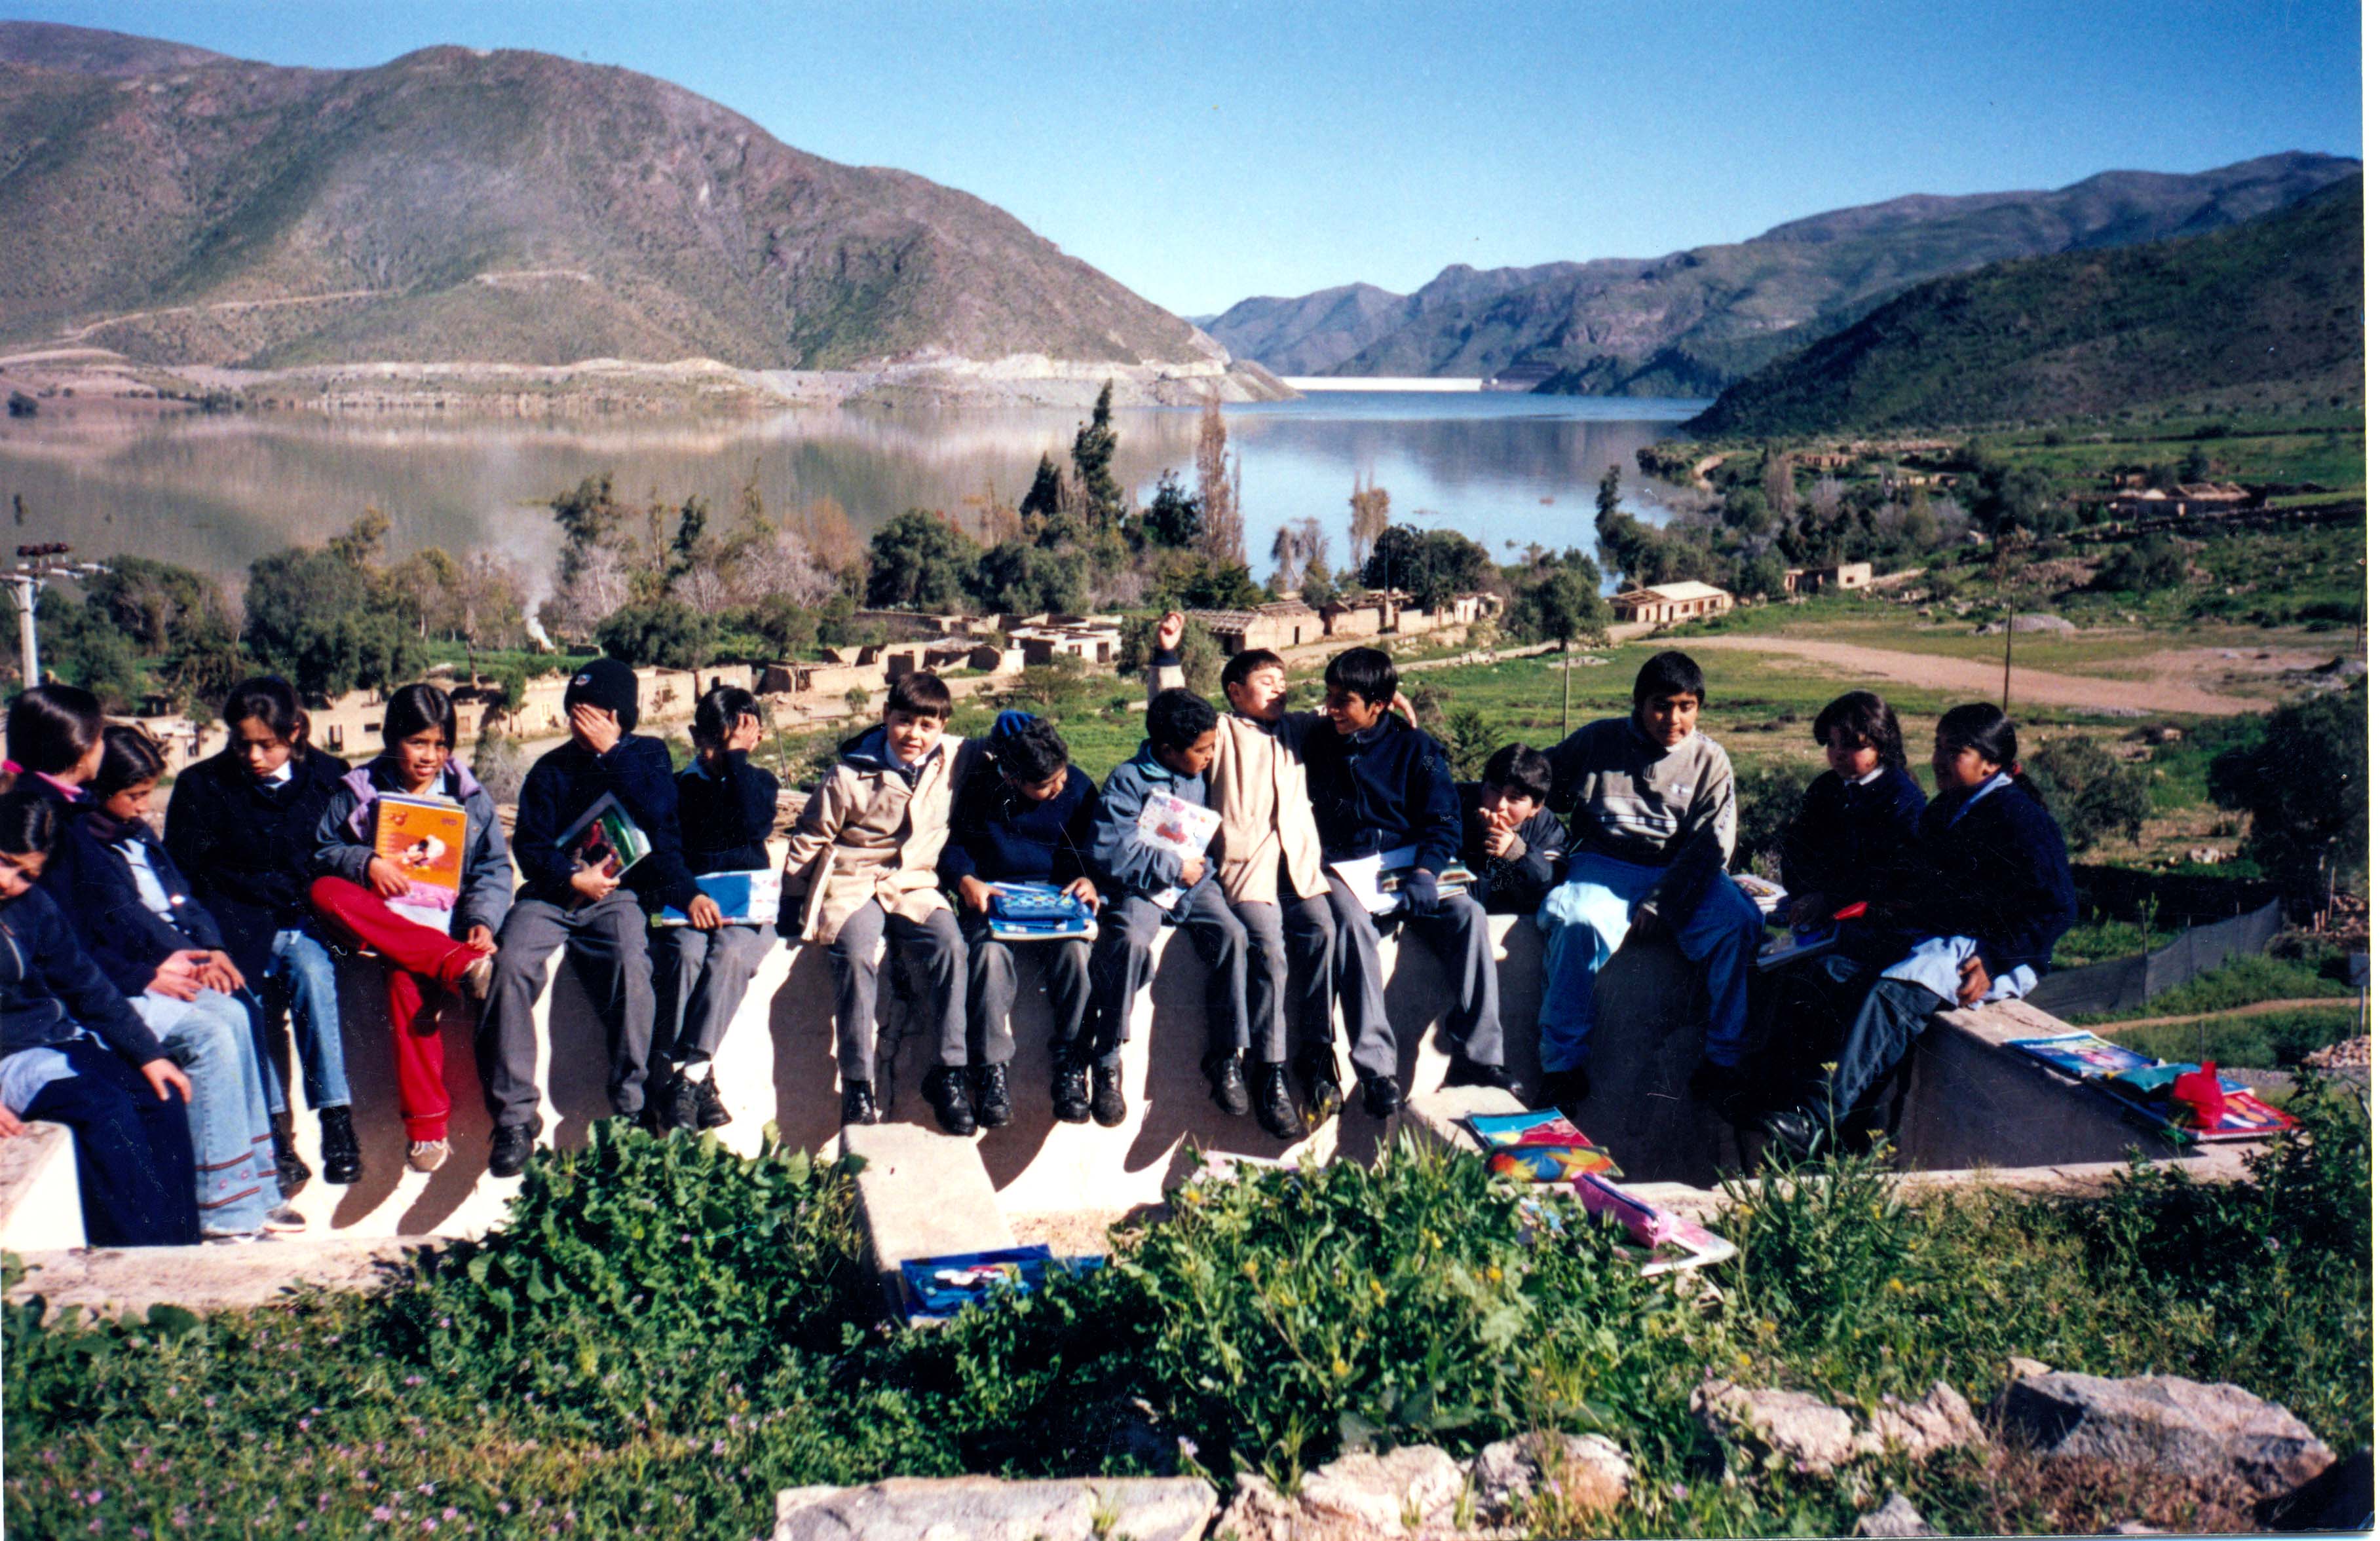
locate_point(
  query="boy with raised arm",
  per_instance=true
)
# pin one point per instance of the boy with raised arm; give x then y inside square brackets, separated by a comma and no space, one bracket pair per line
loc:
[1380,786]
[1270,866]
[1652,806]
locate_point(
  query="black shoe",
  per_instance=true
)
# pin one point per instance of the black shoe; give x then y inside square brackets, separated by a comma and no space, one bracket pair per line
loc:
[1382,1097]
[946,1093]
[1795,1133]
[859,1103]
[672,1104]
[1069,1092]
[288,1167]
[1564,1088]
[1317,1077]
[1464,1070]
[1727,1091]
[1107,1094]
[1276,1109]
[708,1112]
[991,1109]
[1227,1080]
[342,1162]
[509,1147]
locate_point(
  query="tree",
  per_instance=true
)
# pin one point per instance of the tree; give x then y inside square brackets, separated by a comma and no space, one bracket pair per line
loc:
[1042,499]
[1766,801]
[1202,656]
[2303,785]
[1297,549]
[1316,587]
[663,634]
[326,618]
[1746,508]
[1023,579]
[825,529]
[787,627]
[1172,520]
[1222,536]
[919,562]
[1431,565]
[2091,793]
[1367,516]
[2195,465]
[2144,568]
[1565,601]
[1095,448]
[1776,485]
[154,602]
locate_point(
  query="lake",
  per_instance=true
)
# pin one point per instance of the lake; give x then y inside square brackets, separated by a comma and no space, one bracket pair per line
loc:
[215,493]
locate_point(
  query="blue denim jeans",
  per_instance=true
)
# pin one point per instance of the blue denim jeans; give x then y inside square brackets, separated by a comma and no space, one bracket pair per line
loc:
[1586,918]
[301,978]
[231,1133]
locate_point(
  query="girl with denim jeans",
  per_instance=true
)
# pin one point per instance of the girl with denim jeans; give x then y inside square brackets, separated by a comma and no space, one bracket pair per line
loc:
[241,824]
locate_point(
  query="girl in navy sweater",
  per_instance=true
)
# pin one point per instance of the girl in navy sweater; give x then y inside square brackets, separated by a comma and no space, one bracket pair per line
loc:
[726,806]
[1859,821]
[72,1052]
[1972,916]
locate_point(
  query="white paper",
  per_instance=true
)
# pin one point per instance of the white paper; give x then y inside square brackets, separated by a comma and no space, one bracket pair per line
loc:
[1363,874]
[1168,823]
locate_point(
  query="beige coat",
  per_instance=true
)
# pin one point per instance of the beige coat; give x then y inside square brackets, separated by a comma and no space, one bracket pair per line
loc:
[866,833]
[1258,783]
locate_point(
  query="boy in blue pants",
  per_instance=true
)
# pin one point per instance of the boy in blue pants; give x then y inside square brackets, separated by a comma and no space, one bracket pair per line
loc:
[1652,806]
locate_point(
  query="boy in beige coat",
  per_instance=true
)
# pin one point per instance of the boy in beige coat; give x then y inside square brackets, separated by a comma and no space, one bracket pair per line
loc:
[1271,875]
[860,871]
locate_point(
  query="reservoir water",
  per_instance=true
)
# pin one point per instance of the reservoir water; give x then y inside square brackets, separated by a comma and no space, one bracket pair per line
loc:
[217,492]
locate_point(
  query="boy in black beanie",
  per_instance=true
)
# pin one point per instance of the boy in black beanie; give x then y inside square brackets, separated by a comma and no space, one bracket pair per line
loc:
[600,914]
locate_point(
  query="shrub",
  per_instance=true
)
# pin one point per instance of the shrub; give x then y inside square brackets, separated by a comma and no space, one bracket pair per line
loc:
[1767,802]
[2091,793]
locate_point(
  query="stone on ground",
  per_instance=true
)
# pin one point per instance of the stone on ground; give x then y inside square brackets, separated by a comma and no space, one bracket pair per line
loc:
[1935,1422]
[2182,1427]
[126,1281]
[989,1509]
[1586,1469]
[1411,1486]
[1813,1435]
[1897,1521]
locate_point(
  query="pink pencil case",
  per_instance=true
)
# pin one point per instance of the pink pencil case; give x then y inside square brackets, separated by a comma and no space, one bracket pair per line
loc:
[1646,1225]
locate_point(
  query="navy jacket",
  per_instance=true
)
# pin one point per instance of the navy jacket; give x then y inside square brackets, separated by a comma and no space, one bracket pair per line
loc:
[49,988]
[101,899]
[1000,837]
[565,783]
[1848,837]
[1395,788]
[250,852]
[1120,859]
[1515,884]
[726,821]
[1997,875]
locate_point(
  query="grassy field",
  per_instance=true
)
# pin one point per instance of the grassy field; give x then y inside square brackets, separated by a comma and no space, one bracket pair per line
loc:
[2270,1040]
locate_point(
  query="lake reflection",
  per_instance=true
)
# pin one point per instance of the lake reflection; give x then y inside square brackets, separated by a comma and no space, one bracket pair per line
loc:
[215,493]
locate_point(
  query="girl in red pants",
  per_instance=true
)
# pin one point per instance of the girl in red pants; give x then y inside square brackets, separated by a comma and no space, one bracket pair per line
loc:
[427,965]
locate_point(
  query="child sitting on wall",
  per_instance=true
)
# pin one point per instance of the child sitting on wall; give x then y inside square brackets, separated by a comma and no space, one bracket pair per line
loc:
[1511,842]
[860,872]
[1147,886]
[1857,822]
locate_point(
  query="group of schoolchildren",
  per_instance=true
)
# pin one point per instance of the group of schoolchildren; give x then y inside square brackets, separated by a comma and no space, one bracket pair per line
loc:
[140,973]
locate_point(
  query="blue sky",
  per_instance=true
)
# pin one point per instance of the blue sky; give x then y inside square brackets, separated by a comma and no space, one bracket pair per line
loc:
[1202,152]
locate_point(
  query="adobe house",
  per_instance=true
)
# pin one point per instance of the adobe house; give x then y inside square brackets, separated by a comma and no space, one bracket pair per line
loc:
[1282,623]
[1842,576]
[1663,603]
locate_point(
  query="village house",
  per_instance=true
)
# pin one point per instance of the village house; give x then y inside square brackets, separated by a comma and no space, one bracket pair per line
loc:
[2190,498]
[1282,623]
[1662,604]
[1095,639]
[1840,576]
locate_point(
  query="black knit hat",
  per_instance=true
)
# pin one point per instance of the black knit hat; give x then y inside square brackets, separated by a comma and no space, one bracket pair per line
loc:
[607,685]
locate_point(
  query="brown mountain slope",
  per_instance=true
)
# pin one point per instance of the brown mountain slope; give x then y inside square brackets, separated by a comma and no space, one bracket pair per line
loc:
[455,205]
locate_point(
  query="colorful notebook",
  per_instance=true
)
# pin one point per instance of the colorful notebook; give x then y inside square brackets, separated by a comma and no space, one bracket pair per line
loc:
[425,837]
[946,1286]
[606,839]
[1540,1146]
[744,898]
[1040,912]
[2084,1056]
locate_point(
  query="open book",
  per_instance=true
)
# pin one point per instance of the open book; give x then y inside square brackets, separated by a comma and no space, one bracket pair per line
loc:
[1168,823]
[606,839]
[425,837]
[1378,881]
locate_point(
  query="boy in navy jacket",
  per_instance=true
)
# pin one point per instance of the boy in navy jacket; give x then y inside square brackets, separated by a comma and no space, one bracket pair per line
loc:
[726,806]
[1147,886]
[1025,814]
[600,915]
[1515,846]
[1379,786]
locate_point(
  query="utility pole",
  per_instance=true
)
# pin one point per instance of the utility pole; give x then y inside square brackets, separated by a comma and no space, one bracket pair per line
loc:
[36,566]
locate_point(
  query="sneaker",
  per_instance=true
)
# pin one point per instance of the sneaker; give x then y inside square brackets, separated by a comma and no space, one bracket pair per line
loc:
[1802,1137]
[342,1161]
[677,1103]
[1069,1092]
[946,1093]
[1276,1109]
[427,1155]
[282,1221]
[1382,1097]
[1107,1094]
[1317,1075]
[708,1112]
[992,1106]
[1227,1080]
[859,1103]
[230,1238]
[1464,1070]
[478,977]
[509,1147]
[288,1168]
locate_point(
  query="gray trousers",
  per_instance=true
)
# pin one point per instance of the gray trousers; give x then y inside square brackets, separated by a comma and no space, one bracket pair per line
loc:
[936,957]
[1120,966]
[1289,974]
[700,978]
[1458,934]
[607,946]
[991,990]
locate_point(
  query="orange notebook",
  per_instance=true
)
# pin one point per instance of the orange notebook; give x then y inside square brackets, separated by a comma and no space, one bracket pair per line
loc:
[425,837]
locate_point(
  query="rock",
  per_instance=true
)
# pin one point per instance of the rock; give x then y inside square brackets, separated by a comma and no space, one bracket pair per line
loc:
[1258,1513]
[2206,855]
[1589,1471]
[2340,1498]
[2177,1426]
[908,1509]
[1899,1518]
[1937,1421]
[1419,1484]
[1815,1436]
[2131,1527]
[2020,1366]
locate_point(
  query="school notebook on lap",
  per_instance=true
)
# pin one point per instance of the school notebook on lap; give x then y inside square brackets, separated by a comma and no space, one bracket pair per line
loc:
[605,838]
[425,837]
[1377,881]
[744,899]
[1169,823]
[1040,912]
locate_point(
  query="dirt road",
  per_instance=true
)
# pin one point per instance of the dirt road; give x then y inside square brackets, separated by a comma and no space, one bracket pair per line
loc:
[1967,676]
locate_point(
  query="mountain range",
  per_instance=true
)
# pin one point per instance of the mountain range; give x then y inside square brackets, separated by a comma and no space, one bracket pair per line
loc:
[2264,312]
[180,207]
[1694,321]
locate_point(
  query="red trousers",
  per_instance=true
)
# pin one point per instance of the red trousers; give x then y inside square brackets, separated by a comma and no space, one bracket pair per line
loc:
[423,967]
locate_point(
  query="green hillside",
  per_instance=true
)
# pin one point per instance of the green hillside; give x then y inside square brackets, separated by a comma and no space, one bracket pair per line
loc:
[2268,313]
